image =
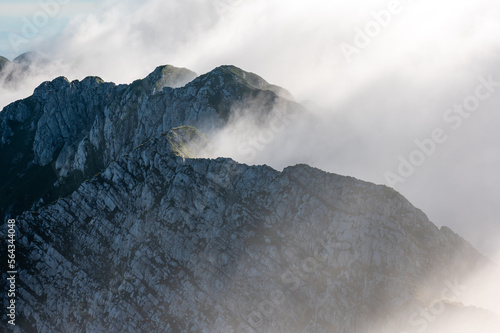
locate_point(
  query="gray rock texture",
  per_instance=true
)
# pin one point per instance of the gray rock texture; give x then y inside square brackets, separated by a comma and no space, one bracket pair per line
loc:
[142,236]
[68,131]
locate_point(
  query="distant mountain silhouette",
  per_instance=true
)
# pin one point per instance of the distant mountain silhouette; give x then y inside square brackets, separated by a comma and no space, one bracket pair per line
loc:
[22,67]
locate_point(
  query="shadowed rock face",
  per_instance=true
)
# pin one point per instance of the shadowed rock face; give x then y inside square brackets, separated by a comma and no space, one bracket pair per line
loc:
[68,131]
[156,241]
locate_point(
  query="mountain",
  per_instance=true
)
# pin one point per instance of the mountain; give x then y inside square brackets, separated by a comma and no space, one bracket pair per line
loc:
[123,228]
[29,58]
[14,73]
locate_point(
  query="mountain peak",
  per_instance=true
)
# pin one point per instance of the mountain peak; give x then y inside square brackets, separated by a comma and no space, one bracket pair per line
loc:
[30,59]
[16,71]
[170,76]
[165,76]
[62,83]
[250,79]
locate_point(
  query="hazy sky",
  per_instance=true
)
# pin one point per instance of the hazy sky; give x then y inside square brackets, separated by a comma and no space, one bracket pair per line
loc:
[382,73]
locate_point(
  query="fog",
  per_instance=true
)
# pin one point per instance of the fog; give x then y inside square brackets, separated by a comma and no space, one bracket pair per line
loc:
[374,91]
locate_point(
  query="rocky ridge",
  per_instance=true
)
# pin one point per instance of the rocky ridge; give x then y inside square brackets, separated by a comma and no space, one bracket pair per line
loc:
[144,237]
[68,131]
[157,243]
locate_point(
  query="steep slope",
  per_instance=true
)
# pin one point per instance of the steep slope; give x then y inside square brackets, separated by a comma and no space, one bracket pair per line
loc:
[68,131]
[157,243]
[121,228]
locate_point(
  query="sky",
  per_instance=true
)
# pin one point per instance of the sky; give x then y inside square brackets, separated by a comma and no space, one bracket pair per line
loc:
[407,91]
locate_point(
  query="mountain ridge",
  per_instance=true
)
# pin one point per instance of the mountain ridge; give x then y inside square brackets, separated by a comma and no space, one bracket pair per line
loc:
[72,122]
[121,226]
[210,217]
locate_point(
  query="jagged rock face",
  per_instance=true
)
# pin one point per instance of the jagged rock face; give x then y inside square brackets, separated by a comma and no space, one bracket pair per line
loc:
[157,243]
[68,131]
[156,240]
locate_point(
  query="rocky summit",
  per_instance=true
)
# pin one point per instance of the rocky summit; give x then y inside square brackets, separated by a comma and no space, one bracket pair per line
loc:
[122,228]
